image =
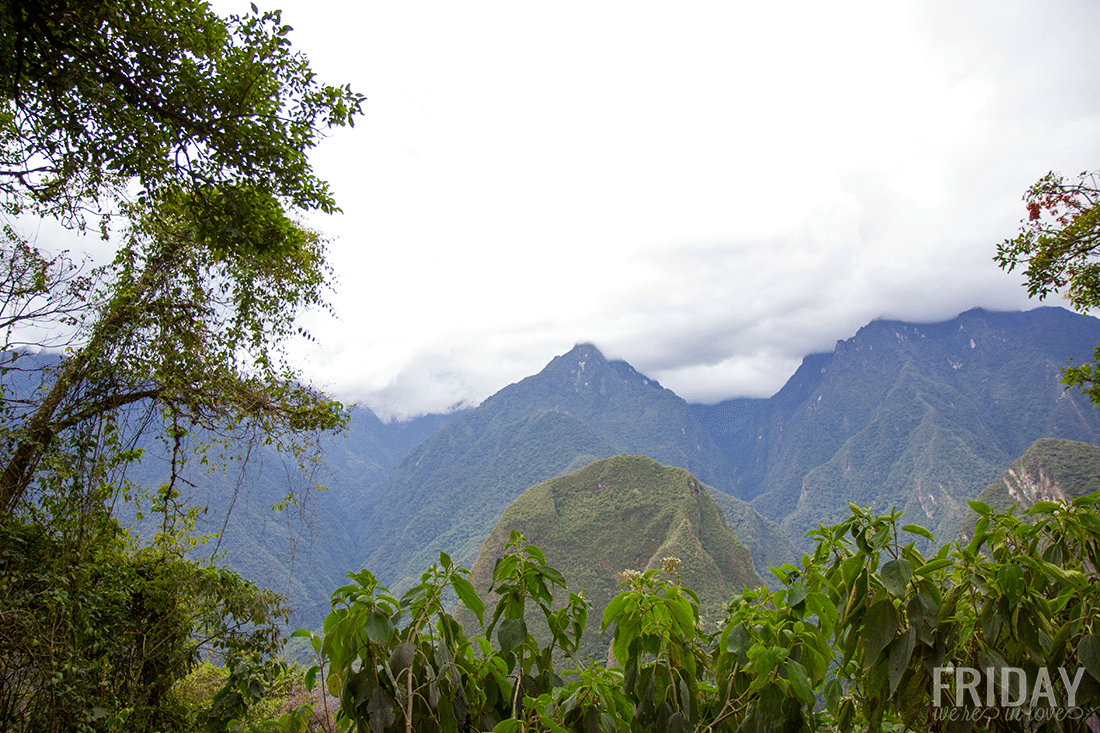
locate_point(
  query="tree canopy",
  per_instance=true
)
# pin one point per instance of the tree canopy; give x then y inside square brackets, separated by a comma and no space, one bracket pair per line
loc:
[1059,248]
[98,94]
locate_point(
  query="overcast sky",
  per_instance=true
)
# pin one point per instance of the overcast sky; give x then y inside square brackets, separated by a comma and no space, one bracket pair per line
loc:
[709,190]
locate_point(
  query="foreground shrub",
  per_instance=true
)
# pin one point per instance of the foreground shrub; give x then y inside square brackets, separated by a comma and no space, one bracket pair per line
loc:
[997,634]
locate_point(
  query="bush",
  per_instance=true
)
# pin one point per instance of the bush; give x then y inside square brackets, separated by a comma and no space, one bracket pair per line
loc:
[867,634]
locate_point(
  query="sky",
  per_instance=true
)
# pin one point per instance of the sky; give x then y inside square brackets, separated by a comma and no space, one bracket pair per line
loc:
[708,190]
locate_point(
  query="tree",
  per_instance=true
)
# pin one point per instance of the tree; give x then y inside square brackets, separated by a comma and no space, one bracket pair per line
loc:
[194,131]
[190,337]
[1059,247]
[213,119]
[221,111]
[88,639]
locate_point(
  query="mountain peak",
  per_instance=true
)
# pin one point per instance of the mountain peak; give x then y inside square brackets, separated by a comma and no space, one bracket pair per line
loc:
[624,512]
[581,364]
[587,369]
[584,353]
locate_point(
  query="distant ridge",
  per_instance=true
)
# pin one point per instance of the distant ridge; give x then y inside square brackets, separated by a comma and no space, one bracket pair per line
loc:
[918,416]
[1050,470]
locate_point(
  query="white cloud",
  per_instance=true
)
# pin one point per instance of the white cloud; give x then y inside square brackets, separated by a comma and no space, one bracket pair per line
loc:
[708,190]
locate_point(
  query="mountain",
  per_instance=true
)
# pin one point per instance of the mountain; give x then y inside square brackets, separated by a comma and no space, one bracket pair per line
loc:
[302,552]
[917,416]
[1050,470]
[620,513]
[766,540]
[449,492]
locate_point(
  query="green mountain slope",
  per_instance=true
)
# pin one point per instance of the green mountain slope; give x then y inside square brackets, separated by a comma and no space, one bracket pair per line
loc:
[1051,469]
[767,542]
[448,493]
[620,513]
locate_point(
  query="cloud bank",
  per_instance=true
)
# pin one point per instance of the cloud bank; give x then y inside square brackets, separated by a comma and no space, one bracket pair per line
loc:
[710,191]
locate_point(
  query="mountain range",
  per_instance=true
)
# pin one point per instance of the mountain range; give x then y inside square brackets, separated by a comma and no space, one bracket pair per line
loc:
[918,416]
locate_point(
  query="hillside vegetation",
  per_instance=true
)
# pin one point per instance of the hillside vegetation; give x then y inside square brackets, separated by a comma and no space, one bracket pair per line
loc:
[1050,470]
[625,513]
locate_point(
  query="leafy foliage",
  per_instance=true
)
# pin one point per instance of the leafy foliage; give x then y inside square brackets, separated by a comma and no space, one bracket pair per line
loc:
[859,637]
[180,337]
[1057,246]
[100,639]
[220,111]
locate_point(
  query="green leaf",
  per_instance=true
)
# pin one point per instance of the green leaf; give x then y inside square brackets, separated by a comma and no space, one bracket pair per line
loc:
[469,597]
[880,625]
[378,628]
[1011,579]
[833,692]
[921,611]
[932,566]
[446,715]
[509,725]
[380,710]
[738,641]
[896,575]
[402,657]
[881,536]
[612,610]
[311,677]
[536,552]
[1088,651]
[980,507]
[917,529]
[681,613]
[1043,507]
[796,594]
[861,541]
[511,633]
[800,682]
[678,724]
[900,653]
